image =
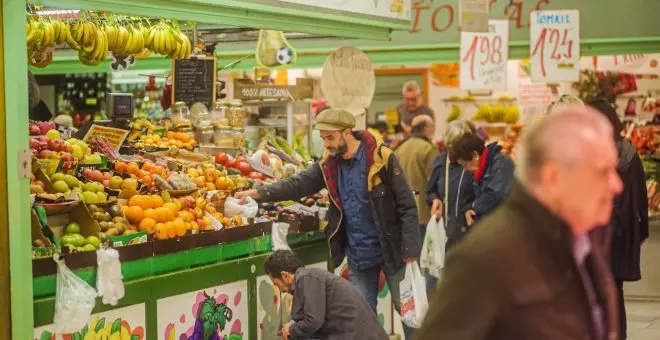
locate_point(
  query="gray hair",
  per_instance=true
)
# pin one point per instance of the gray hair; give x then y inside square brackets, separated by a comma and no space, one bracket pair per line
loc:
[411,86]
[563,102]
[457,129]
[556,138]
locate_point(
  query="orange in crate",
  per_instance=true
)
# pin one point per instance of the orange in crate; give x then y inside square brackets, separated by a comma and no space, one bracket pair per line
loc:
[148,224]
[161,232]
[134,214]
[156,201]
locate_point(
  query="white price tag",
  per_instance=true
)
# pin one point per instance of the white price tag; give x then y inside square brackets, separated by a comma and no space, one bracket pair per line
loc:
[484,57]
[555,45]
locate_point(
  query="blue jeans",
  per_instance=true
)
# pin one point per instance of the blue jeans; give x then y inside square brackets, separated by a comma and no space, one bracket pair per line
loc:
[366,282]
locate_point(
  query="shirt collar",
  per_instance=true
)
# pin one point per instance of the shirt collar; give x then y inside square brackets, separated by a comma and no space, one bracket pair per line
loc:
[581,247]
[359,153]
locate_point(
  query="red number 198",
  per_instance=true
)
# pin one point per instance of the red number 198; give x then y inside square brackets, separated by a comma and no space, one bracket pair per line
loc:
[492,50]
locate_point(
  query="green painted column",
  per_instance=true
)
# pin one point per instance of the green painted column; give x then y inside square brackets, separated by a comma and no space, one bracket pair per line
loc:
[18,206]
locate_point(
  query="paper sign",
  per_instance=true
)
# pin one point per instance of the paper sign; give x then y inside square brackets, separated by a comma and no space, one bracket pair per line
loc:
[114,136]
[484,57]
[348,80]
[555,45]
[474,15]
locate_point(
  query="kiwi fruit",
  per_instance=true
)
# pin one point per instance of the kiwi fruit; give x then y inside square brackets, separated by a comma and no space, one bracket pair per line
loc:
[112,232]
[121,227]
[103,237]
[99,216]
[107,217]
[104,226]
[115,211]
[119,219]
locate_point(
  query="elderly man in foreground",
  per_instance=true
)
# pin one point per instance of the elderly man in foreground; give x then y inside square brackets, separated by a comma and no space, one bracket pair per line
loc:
[536,268]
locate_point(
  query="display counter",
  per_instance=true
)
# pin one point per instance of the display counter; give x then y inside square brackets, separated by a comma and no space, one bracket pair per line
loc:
[162,290]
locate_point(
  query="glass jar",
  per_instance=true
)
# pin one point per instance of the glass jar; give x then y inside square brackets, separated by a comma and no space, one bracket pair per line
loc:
[223,138]
[236,114]
[180,116]
[219,114]
[205,135]
[238,138]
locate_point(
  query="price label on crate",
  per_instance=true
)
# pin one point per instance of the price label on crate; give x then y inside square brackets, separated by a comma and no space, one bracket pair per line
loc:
[484,57]
[555,45]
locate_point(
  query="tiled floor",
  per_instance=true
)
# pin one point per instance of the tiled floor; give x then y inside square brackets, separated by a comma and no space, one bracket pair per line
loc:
[643,320]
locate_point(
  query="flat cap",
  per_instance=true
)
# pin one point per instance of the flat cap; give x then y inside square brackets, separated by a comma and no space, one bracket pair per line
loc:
[334,120]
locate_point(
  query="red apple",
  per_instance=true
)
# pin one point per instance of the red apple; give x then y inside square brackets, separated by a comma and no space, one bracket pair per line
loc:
[54,145]
[106,183]
[44,154]
[66,157]
[107,175]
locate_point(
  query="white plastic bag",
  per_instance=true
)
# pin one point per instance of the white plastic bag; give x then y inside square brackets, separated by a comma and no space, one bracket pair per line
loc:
[234,207]
[278,236]
[108,276]
[414,302]
[74,300]
[433,249]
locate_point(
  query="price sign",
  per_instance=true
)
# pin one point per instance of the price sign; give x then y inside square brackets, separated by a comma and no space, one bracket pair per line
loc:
[114,136]
[555,45]
[484,57]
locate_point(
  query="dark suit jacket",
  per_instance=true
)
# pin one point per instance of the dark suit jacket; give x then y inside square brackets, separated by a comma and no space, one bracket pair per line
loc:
[514,277]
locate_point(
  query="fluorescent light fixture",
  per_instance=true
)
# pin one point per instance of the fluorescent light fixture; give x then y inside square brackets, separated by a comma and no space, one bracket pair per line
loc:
[58,11]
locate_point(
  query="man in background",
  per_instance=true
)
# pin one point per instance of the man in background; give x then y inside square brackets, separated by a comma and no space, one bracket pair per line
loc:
[537,267]
[325,306]
[412,105]
[416,155]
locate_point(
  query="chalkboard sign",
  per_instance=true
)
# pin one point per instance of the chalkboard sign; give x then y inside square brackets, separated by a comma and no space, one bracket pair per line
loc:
[194,81]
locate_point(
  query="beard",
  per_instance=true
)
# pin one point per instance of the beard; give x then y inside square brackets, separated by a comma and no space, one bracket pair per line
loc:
[341,148]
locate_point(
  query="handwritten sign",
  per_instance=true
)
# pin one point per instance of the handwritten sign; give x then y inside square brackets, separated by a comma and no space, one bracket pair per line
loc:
[257,91]
[484,57]
[348,80]
[194,81]
[114,136]
[555,45]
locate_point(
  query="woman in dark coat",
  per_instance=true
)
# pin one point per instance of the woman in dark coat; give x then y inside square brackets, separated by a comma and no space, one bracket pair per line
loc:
[493,174]
[630,219]
[461,192]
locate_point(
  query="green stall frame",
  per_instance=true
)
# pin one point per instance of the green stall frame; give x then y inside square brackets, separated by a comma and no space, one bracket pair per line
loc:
[15,215]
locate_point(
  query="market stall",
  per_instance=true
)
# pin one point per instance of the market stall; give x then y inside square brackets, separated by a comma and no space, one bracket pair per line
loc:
[144,190]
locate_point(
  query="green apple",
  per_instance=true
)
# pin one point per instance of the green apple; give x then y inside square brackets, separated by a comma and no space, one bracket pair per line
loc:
[60,186]
[77,152]
[58,177]
[89,197]
[100,187]
[71,181]
[115,182]
[93,241]
[89,186]
[89,247]
[101,197]
[72,228]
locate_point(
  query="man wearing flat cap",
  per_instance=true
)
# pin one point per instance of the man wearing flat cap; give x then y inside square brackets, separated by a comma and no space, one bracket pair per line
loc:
[373,217]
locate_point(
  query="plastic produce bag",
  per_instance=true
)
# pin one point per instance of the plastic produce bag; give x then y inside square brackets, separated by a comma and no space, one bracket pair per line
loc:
[74,300]
[278,236]
[433,249]
[414,302]
[108,280]
[234,207]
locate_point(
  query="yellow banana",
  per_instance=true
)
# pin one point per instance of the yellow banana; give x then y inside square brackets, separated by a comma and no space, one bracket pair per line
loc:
[70,40]
[122,37]
[111,35]
[175,34]
[158,41]
[149,41]
[168,42]
[31,32]
[48,33]
[99,44]
[129,42]
[77,32]
[61,32]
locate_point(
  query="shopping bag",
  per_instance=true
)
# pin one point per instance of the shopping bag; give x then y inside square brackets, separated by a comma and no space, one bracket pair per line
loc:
[74,300]
[278,236]
[108,276]
[414,302]
[433,249]
[234,207]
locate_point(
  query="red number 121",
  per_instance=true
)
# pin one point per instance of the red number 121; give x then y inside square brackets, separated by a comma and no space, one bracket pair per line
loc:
[554,37]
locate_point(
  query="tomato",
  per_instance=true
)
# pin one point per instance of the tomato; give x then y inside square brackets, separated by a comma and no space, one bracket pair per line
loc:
[243,167]
[241,159]
[221,158]
[255,175]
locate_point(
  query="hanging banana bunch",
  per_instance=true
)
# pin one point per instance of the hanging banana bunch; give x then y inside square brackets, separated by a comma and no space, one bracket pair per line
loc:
[168,41]
[94,54]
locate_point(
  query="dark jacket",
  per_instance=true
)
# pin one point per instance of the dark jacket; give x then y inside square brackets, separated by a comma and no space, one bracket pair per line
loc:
[328,307]
[630,219]
[495,182]
[515,278]
[390,198]
[461,195]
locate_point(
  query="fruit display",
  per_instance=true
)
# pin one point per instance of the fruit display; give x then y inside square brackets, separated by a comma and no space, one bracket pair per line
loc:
[171,139]
[512,136]
[76,242]
[646,138]
[498,113]
[455,113]
[653,196]
[94,34]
